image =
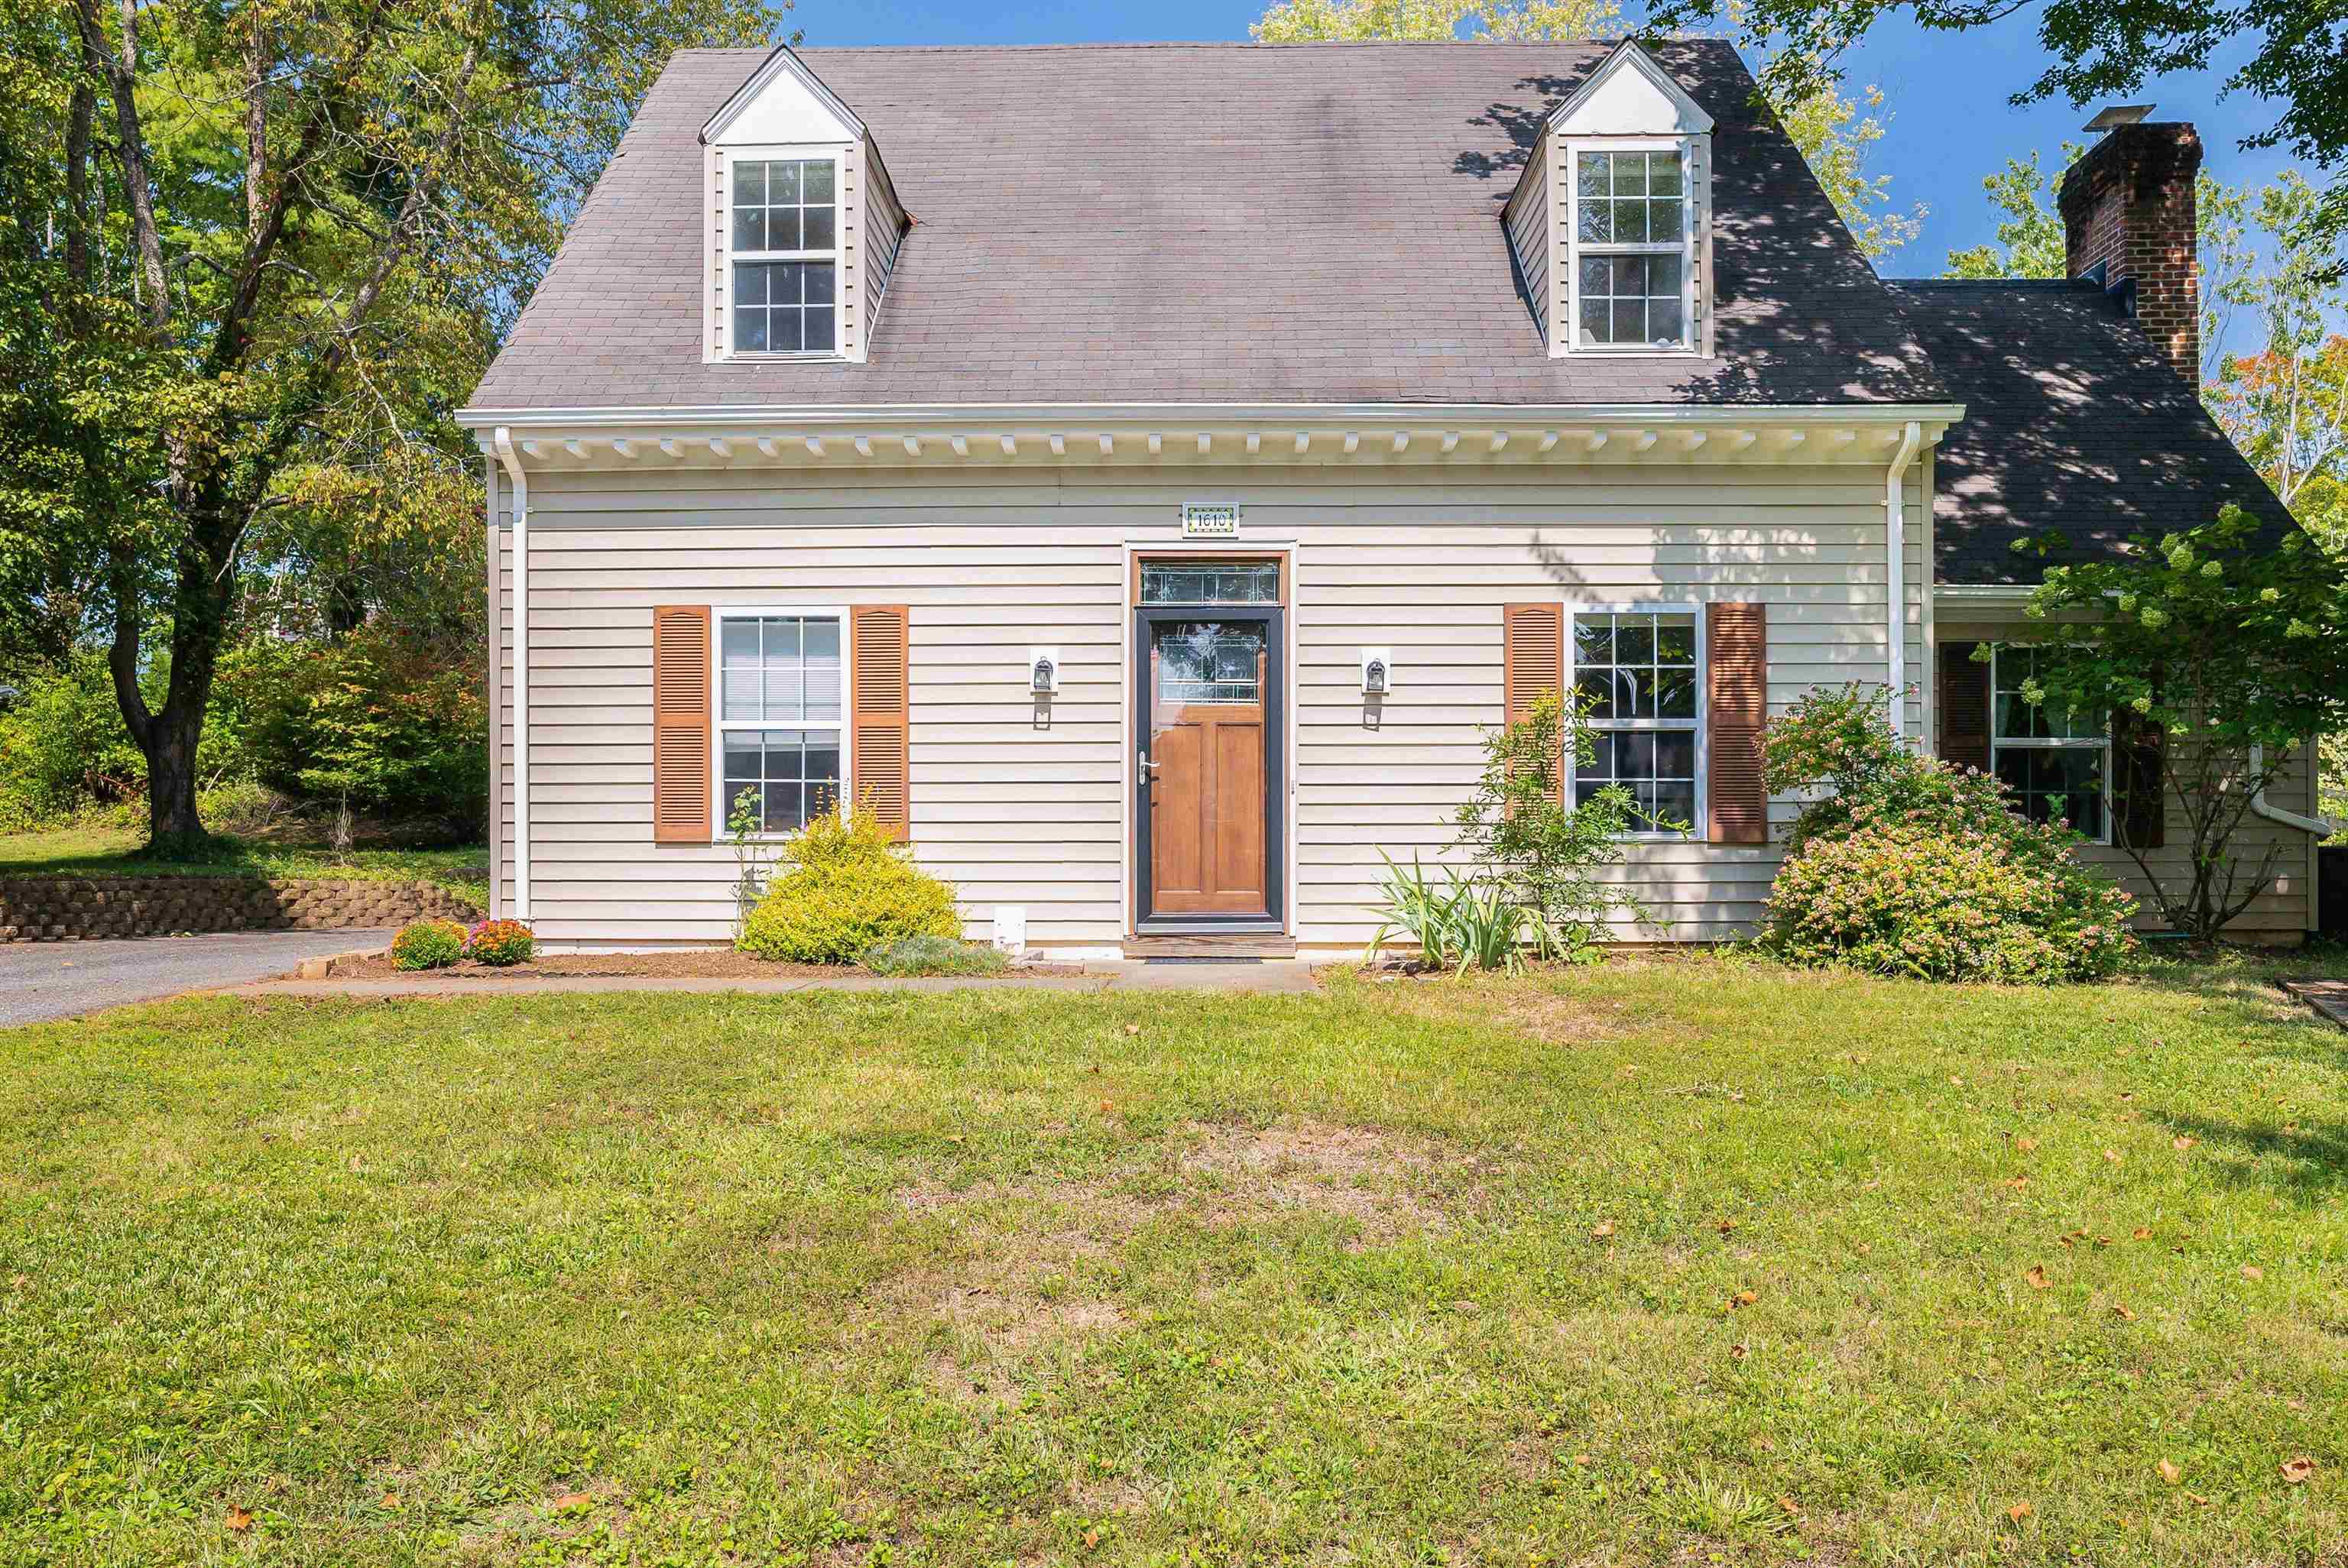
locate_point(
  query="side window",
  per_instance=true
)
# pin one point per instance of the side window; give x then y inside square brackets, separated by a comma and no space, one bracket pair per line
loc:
[778,718]
[2058,764]
[1636,673]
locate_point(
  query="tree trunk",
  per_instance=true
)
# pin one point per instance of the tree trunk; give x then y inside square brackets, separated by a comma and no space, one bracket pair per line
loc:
[173,827]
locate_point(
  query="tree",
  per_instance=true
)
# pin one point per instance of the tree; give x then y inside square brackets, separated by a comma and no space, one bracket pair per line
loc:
[257,240]
[2297,55]
[1433,21]
[1834,138]
[2217,657]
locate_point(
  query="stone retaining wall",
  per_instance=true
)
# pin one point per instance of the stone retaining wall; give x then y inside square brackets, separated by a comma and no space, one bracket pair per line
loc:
[68,908]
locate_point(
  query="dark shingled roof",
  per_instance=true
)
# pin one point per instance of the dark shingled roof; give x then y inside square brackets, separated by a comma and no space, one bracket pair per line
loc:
[2075,424]
[1179,222]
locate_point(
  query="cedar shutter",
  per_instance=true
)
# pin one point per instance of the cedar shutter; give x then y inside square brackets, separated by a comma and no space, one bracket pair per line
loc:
[1964,707]
[1532,657]
[1737,674]
[881,718]
[681,786]
[2139,807]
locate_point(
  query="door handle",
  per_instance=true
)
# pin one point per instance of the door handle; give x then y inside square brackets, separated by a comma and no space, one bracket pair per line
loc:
[1147,767]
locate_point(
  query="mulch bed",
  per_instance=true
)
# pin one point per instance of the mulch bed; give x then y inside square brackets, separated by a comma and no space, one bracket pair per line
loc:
[682,964]
[685,964]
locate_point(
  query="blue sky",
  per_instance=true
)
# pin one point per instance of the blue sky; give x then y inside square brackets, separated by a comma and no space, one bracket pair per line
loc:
[1945,93]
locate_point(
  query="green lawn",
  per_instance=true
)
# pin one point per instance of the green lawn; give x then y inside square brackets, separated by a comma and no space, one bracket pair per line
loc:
[1673,1262]
[116,852]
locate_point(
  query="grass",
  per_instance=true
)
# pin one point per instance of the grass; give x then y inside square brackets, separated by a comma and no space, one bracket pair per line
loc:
[92,851]
[1688,1262]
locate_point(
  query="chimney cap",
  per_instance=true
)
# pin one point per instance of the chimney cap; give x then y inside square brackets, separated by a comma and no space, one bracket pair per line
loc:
[2117,116]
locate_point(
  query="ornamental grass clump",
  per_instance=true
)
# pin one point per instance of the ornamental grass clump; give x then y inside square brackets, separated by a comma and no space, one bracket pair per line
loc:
[848,890]
[1910,867]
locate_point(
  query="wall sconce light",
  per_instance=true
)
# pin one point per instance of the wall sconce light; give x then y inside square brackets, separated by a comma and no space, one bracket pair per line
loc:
[1044,671]
[1377,671]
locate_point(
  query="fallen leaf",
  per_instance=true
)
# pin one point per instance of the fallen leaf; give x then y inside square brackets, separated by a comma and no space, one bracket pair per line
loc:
[240,1519]
[2124,1314]
[1582,1459]
[1133,1029]
[1958,1082]
[2171,1472]
[2103,1241]
[2037,1277]
[1104,1108]
[1738,1352]
[2252,1271]
[1743,1299]
[2143,1233]
[2025,1145]
[2017,1183]
[1864,1248]
[2020,1512]
[391,1499]
[1092,1539]
[571,1499]
[2197,1498]
[2113,1155]
[1724,1226]
[2063,1241]
[1763,1445]
[2181,1143]
[2296,1471]
[1602,1230]
[1790,1507]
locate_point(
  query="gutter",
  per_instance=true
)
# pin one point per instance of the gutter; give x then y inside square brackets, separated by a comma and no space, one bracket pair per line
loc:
[1895,539]
[742,415]
[503,440]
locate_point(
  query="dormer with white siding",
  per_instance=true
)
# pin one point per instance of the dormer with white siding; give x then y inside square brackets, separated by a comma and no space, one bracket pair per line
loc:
[803,226]
[1611,225]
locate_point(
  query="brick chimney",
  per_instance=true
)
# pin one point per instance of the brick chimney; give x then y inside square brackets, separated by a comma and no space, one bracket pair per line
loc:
[2127,207]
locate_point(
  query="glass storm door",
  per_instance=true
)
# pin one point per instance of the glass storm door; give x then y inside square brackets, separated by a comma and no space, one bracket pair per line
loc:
[1207,772]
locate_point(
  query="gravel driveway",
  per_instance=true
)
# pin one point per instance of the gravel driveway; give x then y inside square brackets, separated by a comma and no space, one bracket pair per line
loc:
[56,980]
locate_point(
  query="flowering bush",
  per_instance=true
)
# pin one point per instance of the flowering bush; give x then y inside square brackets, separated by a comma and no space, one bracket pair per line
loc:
[427,944]
[1911,866]
[501,942]
[1901,898]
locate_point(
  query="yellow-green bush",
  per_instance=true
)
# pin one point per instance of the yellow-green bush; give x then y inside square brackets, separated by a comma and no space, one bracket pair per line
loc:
[847,890]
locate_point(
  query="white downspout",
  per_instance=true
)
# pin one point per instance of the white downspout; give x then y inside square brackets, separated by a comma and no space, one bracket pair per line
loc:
[1895,535]
[2314,824]
[503,440]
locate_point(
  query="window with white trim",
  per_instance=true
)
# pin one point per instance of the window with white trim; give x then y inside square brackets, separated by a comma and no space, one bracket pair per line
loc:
[1631,245]
[781,681]
[784,255]
[2057,762]
[1640,682]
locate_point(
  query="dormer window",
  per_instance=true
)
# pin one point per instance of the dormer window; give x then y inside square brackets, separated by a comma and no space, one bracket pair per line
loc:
[803,225]
[1609,227]
[1633,223]
[785,256]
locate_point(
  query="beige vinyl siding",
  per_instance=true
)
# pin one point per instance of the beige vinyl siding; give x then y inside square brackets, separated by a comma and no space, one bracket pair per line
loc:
[1528,219]
[1020,812]
[884,235]
[2284,912]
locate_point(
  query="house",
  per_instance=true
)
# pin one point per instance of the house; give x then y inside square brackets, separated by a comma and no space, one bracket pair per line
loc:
[1141,472]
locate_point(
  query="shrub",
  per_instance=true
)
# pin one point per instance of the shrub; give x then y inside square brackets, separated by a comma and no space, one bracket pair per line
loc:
[427,944]
[1536,854]
[1911,866]
[1895,898]
[848,890]
[387,722]
[935,956]
[499,943]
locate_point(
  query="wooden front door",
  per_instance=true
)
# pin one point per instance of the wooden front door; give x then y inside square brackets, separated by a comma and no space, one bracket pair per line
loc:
[1210,762]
